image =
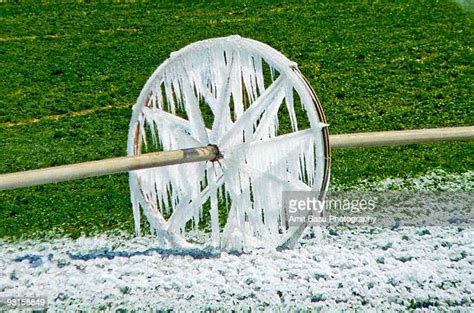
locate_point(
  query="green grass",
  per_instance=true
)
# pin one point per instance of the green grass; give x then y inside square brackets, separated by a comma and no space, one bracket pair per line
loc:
[376,65]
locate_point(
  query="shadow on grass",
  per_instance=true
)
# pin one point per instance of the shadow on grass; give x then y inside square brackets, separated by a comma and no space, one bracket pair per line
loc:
[106,253]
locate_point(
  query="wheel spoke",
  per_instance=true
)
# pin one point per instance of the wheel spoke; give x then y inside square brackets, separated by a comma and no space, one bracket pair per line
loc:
[252,114]
[258,178]
[286,140]
[268,124]
[173,122]
[293,233]
[222,118]
[157,221]
[193,111]
[185,209]
[287,182]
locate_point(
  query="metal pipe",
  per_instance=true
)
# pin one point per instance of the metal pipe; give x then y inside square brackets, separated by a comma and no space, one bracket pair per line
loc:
[106,167]
[401,137]
[211,152]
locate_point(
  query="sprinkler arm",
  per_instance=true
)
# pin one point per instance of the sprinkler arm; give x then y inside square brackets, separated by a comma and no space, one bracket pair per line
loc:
[106,167]
[211,153]
[401,137]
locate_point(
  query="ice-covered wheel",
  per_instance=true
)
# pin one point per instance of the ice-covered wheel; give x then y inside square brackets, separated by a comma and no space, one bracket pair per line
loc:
[253,104]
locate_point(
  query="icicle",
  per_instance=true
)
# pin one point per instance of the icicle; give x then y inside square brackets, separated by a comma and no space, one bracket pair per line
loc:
[236,87]
[290,106]
[251,115]
[169,95]
[272,73]
[259,74]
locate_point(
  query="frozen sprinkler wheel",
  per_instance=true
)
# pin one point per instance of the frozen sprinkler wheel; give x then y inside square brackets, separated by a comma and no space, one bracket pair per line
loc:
[256,107]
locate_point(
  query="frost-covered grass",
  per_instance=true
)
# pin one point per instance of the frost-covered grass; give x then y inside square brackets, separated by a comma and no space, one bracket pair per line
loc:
[376,65]
[437,180]
[363,268]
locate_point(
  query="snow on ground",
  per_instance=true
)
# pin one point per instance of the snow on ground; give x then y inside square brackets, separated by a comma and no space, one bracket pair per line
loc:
[360,267]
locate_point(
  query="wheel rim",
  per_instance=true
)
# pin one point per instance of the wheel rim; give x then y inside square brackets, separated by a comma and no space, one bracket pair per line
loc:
[226,77]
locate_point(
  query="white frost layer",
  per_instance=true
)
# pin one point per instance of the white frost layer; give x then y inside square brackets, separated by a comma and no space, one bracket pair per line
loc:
[366,268]
[350,269]
[437,180]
